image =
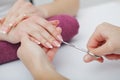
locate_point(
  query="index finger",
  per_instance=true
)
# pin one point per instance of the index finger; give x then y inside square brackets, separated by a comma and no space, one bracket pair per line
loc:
[96,40]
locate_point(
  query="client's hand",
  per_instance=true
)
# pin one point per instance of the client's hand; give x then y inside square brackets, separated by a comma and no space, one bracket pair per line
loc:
[38,29]
[21,10]
[35,59]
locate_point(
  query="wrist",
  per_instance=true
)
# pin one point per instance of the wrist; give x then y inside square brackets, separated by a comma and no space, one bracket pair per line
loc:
[49,73]
[42,71]
[45,71]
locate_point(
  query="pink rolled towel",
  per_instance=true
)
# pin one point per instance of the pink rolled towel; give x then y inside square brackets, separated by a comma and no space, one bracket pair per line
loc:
[68,24]
[69,27]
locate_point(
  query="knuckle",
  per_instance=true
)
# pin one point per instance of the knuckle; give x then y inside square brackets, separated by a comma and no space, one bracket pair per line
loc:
[104,23]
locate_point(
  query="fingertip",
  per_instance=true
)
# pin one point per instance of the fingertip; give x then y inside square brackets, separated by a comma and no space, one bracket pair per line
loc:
[87,58]
[100,60]
[50,56]
[59,37]
[36,41]
[48,45]
[55,22]
[4,30]
[59,30]
[56,43]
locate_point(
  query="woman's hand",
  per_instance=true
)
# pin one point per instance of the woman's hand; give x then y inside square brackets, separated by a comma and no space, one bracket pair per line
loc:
[35,59]
[38,30]
[105,41]
[20,11]
[37,27]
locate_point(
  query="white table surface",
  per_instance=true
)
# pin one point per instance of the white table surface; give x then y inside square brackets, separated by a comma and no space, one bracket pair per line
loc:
[68,61]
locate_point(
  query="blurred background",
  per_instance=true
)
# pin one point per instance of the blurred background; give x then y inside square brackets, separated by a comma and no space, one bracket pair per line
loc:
[83,3]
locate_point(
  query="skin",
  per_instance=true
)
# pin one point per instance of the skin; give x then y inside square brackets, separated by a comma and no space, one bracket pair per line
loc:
[22,24]
[104,42]
[37,61]
[35,57]
[68,7]
[35,31]
[15,16]
[15,35]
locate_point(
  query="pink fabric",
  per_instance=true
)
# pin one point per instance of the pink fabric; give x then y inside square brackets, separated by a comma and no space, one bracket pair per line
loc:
[68,24]
[69,27]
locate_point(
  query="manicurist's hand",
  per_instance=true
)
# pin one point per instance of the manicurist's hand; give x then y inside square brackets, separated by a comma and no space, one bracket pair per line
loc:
[104,42]
[36,60]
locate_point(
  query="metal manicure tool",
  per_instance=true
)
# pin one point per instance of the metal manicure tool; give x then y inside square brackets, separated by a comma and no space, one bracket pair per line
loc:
[81,50]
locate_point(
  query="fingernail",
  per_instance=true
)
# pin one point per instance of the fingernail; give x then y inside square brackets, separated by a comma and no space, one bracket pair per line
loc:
[99,60]
[56,22]
[4,30]
[34,40]
[88,58]
[49,45]
[56,43]
[38,42]
[60,37]
[10,25]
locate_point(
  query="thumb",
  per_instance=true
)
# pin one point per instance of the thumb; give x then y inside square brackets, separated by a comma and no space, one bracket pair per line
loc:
[99,51]
[88,58]
[102,50]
